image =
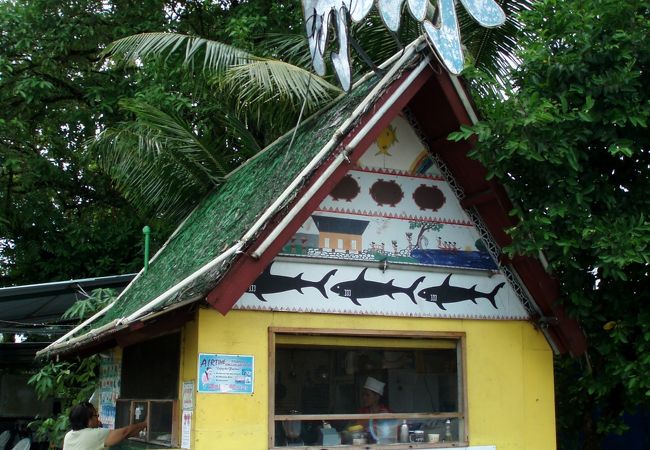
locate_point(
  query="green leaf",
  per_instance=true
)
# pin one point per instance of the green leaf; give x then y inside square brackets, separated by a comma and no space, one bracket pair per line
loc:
[464,133]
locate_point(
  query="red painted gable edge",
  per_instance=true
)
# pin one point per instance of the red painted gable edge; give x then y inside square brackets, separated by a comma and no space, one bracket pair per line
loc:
[246,269]
[491,203]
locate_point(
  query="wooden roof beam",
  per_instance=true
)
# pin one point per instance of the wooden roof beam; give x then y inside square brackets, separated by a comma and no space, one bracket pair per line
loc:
[478,198]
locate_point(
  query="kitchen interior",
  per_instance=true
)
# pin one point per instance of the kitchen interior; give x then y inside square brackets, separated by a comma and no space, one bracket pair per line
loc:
[324,380]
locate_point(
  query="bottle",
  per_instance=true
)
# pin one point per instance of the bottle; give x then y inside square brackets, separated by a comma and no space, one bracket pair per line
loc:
[448,436]
[403,435]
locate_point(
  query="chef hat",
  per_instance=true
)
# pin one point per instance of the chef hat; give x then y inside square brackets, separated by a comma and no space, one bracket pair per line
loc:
[374,385]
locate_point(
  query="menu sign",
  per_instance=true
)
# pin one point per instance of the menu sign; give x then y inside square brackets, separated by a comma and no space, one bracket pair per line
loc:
[225,374]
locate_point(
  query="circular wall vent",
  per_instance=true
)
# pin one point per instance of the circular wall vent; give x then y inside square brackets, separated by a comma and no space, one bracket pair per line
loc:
[347,189]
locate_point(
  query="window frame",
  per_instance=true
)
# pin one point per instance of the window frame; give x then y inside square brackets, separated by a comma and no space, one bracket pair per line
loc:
[148,439]
[178,336]
[461,360]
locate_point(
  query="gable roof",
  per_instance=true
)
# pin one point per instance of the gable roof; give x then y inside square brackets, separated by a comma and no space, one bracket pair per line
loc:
[236,231]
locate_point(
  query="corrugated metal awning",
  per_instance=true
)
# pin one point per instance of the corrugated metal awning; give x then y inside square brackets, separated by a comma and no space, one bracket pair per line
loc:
[38,307]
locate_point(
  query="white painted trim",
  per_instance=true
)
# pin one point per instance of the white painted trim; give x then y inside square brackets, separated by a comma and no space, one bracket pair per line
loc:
[78,327]
[464,99]
[145,309]
[187,280]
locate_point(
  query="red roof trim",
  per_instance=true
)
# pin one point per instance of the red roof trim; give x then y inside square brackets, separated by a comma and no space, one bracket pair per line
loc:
[493,205]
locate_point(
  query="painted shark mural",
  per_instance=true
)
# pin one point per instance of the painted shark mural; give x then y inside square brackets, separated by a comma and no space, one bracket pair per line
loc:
[362,288]
[386,241]
[268,283]
[285,286]
[446,293]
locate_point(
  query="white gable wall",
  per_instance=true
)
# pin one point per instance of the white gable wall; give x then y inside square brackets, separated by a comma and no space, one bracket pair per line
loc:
[395,217]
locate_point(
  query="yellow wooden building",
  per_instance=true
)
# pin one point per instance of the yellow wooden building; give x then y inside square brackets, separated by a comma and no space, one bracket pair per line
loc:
[230,342]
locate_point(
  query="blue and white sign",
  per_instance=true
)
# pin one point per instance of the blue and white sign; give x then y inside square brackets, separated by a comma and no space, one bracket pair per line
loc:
[225,374]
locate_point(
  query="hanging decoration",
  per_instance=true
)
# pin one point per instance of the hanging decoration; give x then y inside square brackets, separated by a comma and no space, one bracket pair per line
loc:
[439,21]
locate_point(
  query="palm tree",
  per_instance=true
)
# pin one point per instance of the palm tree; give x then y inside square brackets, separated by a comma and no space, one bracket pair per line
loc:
[164,163]
[161,162]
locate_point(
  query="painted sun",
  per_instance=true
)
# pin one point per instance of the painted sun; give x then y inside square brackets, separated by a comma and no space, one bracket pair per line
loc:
[385,140]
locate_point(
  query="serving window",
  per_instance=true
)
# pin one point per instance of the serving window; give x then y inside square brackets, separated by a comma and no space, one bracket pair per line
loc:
[359,388]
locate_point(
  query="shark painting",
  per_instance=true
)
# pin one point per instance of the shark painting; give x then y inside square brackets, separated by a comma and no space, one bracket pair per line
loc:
[362,288]
[445,293]
[267,283]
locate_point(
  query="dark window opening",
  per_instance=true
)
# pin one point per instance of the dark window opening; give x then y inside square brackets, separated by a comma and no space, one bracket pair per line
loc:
[150,369]
[150,372]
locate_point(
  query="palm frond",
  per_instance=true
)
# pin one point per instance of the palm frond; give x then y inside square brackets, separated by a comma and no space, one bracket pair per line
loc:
[236,132]
[162,165]
[216,56]
[159,162]
[252,80]
[146,175]
[494,50]
[153,185]
[380,43]
[180,138]
[291,48]
[264,80]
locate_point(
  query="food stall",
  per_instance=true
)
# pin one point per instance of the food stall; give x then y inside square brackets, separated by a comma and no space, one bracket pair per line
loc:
[346,288]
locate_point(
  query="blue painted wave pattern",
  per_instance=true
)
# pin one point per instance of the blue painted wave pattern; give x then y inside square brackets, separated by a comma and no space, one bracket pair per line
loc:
[472,260]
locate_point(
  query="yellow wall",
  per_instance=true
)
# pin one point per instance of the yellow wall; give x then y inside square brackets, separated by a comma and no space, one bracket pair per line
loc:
[189,352]
[509,376]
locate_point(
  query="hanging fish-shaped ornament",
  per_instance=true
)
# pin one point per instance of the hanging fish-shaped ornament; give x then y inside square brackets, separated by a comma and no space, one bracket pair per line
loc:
[444,35]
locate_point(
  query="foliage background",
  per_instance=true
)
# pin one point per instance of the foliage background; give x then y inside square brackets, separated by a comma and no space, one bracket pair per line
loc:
[567,134]
[61,215]
[570,141]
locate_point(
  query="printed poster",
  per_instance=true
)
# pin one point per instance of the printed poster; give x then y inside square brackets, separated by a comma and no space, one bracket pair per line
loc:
[188,395]
[225,374]
[110,369]
[186,429]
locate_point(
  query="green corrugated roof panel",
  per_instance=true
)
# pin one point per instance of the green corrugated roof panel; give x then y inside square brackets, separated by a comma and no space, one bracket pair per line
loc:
[227,214]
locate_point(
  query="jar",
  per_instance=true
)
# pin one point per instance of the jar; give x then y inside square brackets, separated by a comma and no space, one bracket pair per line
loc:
[416,436]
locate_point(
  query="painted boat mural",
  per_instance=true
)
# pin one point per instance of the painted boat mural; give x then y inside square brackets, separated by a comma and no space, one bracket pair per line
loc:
[393,206]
